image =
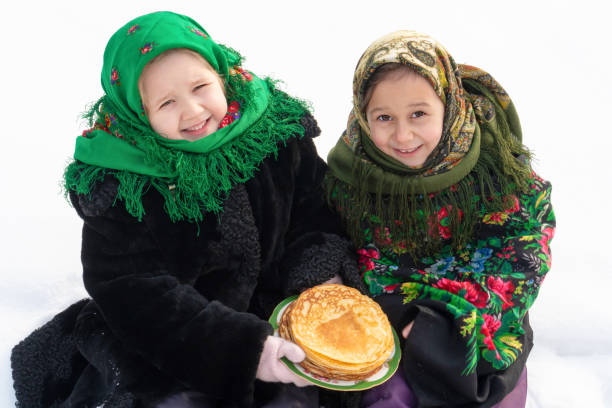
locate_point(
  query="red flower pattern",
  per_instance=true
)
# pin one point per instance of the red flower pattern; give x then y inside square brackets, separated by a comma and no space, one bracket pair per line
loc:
[365,258]
[473,293]
[233,113]
[488,328]
[441,223]
[502,289]
[495,218]
[133,29]
[114,77]
[382,237]
[547,234]
[515,204]
[236,70]
[507,253]
[146,48]
[391,288]
[197,32]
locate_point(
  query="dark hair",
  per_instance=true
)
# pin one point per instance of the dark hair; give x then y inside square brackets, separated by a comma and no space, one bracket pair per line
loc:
[381,73]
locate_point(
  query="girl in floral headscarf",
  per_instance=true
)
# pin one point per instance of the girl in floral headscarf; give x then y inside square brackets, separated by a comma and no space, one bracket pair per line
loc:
[201,194]
[452,225]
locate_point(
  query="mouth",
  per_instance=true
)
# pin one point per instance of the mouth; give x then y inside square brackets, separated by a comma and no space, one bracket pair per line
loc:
[408,151]
[198,129]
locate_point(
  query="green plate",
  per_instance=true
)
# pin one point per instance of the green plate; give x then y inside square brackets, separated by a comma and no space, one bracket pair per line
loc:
[387,370]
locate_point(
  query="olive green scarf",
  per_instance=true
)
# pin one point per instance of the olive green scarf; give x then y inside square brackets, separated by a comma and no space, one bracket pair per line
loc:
[193,177]
[478,161]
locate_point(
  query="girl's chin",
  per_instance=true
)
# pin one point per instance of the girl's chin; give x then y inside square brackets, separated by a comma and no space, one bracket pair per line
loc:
[412,160]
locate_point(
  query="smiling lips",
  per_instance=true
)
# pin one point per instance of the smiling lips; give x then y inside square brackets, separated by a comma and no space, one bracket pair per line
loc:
[198,129]
[407,151]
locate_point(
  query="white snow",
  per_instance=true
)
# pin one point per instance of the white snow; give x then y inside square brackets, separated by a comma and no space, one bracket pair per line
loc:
[551,56]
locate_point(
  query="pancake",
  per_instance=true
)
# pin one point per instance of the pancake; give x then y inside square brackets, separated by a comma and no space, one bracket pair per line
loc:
[344,334]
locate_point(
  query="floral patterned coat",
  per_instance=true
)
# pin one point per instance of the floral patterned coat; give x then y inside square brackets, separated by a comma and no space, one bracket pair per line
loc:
[471,334]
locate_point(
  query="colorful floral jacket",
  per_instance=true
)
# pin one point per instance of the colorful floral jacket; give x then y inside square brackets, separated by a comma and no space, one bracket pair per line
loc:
[480,293]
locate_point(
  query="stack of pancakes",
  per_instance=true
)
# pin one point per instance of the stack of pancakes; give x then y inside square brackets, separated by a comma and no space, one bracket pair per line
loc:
[345,335]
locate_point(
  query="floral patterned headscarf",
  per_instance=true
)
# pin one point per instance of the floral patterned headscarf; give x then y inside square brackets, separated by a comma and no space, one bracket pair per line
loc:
[430,59]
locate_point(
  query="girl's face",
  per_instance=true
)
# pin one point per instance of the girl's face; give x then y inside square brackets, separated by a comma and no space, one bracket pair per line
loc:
[405,116]
[183,96]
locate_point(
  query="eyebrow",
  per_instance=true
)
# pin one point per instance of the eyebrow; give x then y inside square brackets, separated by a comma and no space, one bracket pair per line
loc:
[411,105]
[197,80]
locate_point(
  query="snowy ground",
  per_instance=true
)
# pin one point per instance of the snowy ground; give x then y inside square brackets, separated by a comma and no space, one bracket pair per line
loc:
[550,56]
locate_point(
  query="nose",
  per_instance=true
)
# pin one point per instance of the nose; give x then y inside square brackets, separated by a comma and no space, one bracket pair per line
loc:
[192,108]
[403,132]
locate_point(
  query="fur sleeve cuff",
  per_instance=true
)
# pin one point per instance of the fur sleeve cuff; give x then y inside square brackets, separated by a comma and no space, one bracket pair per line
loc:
[320,262]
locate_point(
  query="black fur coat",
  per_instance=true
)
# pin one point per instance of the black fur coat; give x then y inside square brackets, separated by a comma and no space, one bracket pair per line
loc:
[178,306]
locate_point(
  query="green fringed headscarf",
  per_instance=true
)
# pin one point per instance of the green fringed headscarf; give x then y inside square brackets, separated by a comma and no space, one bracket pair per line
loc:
[193,177]
[479,160]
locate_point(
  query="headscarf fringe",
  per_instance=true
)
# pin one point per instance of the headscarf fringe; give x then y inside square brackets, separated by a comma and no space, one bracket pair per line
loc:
[204,180]
[413,216]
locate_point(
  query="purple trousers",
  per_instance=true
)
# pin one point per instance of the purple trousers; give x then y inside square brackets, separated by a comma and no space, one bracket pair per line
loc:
[395,393]
[289,396]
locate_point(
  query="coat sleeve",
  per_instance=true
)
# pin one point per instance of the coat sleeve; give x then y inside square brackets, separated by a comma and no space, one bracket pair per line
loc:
[317,247]
[303,243]
[156,313]
[471,334]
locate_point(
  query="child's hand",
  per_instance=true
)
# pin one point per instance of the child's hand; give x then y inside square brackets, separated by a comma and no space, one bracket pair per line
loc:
[406,330]
[272,369]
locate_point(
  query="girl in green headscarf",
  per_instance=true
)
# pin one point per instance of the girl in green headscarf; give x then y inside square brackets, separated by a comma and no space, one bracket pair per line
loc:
[201,194]
[451,224]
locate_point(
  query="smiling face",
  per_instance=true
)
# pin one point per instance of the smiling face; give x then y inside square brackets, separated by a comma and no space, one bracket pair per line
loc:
[405,116]
[183,95]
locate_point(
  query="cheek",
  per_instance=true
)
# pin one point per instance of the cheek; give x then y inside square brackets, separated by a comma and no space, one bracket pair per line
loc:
[221,100]
[223,105]
[374,129]
[378,136]
[435,133]
[214,101]
[222,86]
[159,122]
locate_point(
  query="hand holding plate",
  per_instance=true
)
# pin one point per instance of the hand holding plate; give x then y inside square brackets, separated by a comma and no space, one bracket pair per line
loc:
[272,369]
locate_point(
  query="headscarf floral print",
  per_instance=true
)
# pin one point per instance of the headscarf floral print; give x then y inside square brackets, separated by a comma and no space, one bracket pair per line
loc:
[431,60]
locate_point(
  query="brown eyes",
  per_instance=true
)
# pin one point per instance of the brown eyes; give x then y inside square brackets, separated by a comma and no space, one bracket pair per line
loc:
[387,118]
